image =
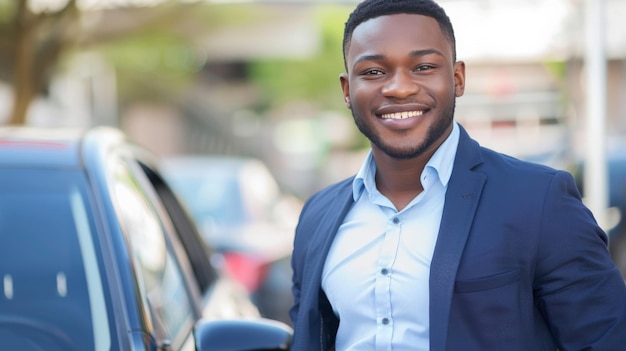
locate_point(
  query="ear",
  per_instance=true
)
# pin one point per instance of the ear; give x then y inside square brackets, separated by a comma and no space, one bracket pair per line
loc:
[345,88]
[459,78]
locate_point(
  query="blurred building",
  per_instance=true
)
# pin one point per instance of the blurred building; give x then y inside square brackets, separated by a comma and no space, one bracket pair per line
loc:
[525,92]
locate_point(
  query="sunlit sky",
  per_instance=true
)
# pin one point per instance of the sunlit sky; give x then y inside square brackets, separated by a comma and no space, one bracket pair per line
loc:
[485,29]
[508,29]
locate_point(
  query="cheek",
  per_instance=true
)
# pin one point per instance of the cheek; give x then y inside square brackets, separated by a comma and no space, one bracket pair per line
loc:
[358,98]
[442,88]
[363,93]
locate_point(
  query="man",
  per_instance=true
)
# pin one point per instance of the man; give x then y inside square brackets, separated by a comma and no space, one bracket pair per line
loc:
[439,244]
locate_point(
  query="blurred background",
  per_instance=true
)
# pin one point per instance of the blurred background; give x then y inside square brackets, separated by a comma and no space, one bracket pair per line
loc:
[258,80]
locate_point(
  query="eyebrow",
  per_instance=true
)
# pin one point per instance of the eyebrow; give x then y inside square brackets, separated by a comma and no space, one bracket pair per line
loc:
[425,52]
[414,53]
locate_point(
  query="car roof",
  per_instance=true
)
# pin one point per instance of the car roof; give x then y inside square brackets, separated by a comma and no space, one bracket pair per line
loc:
[50,147]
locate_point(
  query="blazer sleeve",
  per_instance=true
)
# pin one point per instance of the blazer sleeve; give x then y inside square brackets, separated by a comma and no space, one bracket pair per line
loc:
[297,263]
[309,215]
[577,287]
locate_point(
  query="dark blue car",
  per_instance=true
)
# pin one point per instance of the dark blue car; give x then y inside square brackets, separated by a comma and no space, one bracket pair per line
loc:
[96,253]
[616,173]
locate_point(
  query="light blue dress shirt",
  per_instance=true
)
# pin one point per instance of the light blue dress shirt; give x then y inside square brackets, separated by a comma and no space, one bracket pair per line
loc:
[377,271]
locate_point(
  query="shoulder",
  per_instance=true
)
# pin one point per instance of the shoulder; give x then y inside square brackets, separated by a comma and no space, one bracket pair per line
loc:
[476,158]
[508,176]
[330,194]
[505,165]
[325,203]
[322,210]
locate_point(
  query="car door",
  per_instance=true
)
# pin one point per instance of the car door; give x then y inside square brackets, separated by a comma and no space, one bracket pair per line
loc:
[210,294]
[164,278]
[222,296]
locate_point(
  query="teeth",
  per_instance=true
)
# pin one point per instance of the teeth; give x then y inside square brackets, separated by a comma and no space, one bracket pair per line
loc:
[402,115]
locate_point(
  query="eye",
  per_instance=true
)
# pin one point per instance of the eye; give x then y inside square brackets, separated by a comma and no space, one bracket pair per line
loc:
[422,68]
[372,72]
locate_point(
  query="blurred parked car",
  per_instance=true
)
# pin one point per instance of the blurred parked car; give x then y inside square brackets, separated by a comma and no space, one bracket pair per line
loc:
[96,253]
[239,207]
[616,172]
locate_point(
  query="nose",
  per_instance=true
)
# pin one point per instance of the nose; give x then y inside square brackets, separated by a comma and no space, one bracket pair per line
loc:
[400,85]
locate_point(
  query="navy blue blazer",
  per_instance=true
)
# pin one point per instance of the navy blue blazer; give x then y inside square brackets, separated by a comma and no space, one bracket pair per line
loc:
[519,264]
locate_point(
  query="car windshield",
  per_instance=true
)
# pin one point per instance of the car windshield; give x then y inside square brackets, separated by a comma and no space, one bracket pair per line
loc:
[52,288]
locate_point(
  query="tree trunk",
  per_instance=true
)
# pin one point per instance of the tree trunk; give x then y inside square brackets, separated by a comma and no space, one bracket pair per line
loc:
[23,77]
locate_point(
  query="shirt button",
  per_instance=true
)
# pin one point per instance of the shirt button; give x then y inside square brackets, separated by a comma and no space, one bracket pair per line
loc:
[396,220]
[384,271]
[385,321]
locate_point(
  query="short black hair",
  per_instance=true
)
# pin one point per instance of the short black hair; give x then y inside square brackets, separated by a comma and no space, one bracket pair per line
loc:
[369,9]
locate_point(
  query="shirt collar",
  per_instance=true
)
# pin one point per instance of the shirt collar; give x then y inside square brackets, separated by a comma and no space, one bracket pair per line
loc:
[442,162]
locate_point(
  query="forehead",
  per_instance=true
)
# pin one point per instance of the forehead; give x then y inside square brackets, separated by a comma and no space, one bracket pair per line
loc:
[404,32]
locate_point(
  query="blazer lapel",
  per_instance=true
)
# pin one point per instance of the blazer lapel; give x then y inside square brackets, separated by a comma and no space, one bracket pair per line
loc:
[462,196]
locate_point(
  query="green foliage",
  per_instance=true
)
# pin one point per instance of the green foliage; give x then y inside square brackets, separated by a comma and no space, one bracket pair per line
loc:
[7,10]
[222,15]
[159,61]
[315,79]
[557,68]
[152,65]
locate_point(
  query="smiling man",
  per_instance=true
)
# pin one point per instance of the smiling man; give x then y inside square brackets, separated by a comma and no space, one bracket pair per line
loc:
[438,243]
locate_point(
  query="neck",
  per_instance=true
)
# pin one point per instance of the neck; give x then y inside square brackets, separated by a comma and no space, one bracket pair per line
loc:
[399,180]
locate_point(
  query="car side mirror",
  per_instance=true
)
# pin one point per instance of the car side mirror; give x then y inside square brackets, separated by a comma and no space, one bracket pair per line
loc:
[242,335]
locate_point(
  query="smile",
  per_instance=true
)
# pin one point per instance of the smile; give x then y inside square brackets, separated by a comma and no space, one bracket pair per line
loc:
[402,115]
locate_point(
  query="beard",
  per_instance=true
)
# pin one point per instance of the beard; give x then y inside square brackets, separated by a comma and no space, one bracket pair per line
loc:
[434,133]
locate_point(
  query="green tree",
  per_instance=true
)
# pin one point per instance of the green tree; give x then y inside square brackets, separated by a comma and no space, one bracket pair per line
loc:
[30,46]
[313,79]
[33,45]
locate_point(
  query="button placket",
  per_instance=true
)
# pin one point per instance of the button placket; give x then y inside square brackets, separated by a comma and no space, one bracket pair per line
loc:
[382,292]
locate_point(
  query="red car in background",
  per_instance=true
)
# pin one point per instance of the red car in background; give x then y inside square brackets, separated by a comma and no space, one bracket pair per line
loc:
[240,208]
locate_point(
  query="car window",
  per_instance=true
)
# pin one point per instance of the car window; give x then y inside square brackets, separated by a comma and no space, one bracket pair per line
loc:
[197,250]
[161,276]
[50,271]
